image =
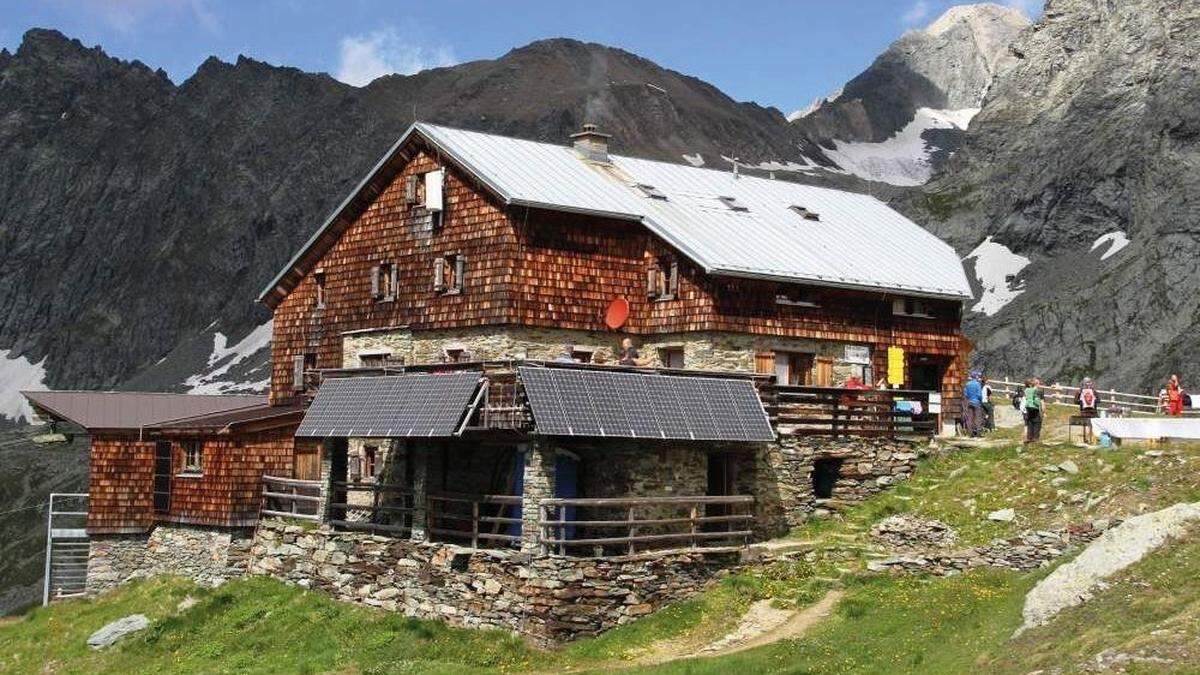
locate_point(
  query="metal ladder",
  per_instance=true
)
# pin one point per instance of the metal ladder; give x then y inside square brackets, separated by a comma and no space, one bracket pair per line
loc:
[67,547]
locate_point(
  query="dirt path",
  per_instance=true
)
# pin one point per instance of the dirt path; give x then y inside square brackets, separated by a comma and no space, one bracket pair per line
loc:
[761,625]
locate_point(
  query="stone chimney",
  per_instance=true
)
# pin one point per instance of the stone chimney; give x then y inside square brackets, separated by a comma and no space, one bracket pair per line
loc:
[591,144]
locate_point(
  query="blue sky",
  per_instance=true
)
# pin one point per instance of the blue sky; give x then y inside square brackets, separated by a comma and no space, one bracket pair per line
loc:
[780,53]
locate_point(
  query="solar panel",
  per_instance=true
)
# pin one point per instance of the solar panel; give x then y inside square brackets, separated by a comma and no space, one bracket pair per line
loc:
[569,402]
[390,406]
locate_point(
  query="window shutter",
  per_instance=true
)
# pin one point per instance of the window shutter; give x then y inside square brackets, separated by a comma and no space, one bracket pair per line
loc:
[652,282]
[395,279]
[460,270]
[375,281]
[673,282]
[439,274]
[764,362]
[824,372]
[298,372]
[410,189]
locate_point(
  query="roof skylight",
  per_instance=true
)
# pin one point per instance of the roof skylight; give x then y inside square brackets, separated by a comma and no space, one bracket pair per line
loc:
[804,212]
[651,191]
[733,203]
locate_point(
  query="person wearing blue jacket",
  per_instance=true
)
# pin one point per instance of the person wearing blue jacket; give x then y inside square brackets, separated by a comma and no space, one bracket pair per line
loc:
[973,404]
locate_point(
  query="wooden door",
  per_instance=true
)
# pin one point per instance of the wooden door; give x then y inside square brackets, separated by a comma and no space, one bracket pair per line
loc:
[823,372]
[306,462]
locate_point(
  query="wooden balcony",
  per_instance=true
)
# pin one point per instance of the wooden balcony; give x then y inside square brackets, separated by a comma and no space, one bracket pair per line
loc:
[829,411]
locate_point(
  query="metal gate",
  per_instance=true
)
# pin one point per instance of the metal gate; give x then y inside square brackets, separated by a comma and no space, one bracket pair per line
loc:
[66,546]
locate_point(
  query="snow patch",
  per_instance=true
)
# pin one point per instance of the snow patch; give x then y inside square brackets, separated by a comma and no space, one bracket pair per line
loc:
[1115,242]
[224,357]
[807,167]
[812,107]
[19,374]
[694,160]
[996,268]
[902,159]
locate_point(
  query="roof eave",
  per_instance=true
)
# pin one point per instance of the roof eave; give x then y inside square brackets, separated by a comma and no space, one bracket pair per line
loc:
[848,285]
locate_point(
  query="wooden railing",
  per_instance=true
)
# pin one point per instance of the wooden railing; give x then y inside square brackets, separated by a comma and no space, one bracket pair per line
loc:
[1117,402]
[630,525]
[372,507]
[810,411]
[291,498]
[487,521]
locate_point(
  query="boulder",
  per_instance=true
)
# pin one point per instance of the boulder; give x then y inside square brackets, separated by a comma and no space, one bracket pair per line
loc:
[116,630]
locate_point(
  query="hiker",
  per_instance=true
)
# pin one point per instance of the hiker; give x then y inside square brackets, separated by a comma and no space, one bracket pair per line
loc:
[1088,400]
[989,410]
[1032,403]
[629,354]
[1174,397]
[567,355]
[973,405]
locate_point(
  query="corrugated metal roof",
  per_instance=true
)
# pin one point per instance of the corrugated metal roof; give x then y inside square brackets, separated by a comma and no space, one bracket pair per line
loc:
[858,241]
[133,410]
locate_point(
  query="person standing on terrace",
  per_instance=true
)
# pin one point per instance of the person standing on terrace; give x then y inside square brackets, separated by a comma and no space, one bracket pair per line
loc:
[1174,396]
[973,405]
[1033,403]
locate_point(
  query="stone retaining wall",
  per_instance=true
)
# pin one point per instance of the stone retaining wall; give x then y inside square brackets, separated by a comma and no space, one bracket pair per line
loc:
[208,555]
[546,598]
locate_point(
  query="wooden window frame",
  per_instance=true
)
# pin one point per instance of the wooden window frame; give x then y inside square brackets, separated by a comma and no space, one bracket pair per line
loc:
[913,308]
[449,274]
[370,467]
[385,277]
[664,356]
[193,457]
[791,295]
[662,279]
[319,283]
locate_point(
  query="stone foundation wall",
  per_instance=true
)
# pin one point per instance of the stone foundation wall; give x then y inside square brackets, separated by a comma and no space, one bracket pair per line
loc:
[705,350]
[546,598]
[784,475]
[208,555]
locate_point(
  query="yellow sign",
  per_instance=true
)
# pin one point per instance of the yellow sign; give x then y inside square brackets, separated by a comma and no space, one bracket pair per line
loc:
[895,374]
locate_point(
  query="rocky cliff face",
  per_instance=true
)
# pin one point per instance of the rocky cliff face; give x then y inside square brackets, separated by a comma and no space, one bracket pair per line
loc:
[1077,194]
[140,218]
[905,113]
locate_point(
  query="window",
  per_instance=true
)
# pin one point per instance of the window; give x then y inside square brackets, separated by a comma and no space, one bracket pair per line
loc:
[796,296]
[733,204]
[793,368]
[456,355]
[384,280]
[662,280]
[192,456]
[412,189]
[449,274]
[582,354]
[319,280]
[368,461]
[805,213]
[671,357]
[374,359]
[651,191]
[912,307]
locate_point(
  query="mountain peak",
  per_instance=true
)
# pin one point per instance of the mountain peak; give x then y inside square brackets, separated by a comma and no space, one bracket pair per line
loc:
[979,18]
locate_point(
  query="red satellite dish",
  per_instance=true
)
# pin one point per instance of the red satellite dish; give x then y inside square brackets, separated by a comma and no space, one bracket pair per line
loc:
[617,313]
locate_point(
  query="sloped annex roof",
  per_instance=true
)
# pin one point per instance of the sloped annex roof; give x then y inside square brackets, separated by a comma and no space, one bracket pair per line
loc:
[133,410]
[856,242]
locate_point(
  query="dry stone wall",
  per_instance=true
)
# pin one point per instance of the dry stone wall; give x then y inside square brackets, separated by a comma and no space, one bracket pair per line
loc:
[546,598]
[208,555]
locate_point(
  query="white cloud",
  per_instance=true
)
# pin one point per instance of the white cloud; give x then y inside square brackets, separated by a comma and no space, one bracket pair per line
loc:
[915,13]
[363,58]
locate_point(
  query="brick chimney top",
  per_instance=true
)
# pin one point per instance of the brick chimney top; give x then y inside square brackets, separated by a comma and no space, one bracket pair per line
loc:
[591,144]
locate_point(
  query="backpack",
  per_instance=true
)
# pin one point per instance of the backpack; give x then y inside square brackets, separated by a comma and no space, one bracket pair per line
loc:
[1087,399]
[1016,400]
[1032,400]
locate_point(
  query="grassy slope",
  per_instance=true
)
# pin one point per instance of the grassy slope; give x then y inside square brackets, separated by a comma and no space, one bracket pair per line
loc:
[883,624]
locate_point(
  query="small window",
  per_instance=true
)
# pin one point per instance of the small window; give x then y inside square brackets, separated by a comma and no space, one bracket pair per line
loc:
[912,307]
[384,279]
[411,188]
[651,191]
[193,455]
[733,204]
[319,280]
[368,464]
[301,365]
[449,274]
[374,359]
[795,296]
[456,355]
[671,357]
[582,355]
[804,212]
[662,279]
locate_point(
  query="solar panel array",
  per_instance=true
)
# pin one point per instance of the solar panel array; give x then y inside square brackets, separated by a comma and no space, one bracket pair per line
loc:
[390,406]
[569,402]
